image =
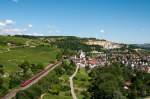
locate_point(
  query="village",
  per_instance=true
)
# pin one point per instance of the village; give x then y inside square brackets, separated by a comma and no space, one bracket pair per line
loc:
[101,59]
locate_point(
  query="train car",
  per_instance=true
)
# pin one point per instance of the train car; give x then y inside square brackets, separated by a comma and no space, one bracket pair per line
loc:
[27,82]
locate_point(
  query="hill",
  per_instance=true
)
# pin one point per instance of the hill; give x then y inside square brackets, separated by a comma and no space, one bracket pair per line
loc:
[15,50]
[142,46]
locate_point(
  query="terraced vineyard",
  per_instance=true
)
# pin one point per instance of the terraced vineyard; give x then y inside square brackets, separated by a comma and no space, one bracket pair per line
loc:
[12,58]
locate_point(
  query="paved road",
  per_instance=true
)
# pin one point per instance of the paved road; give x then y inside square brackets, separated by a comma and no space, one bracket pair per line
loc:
[13,93]
[71,83]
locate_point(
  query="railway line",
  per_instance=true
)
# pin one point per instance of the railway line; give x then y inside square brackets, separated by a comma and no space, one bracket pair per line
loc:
[26,84]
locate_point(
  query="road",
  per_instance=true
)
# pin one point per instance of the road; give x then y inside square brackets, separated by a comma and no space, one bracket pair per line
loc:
[12,94]
[71,83]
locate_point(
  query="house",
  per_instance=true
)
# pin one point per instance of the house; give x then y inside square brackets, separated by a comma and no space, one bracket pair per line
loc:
[92,63]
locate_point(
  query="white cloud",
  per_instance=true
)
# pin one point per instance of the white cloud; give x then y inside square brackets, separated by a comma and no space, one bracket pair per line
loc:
[102,31]
[2,24]
[7,27]
[6,22]
[12,31]
[30,25]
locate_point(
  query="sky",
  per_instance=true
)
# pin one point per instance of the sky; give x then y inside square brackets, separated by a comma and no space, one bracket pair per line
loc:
[122,21]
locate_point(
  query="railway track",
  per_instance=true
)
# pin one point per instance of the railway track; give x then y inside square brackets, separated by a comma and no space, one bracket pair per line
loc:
[26,84]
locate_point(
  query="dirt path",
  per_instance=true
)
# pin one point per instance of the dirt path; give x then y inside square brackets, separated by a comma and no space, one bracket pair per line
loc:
[13,92]
[71,83]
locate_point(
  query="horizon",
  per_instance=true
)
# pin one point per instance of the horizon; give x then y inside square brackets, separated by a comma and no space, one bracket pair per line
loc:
[74,36]
[114,20]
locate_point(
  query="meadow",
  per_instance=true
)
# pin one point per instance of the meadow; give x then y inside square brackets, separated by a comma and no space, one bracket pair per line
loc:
[10,59]
[81,83]
[49,96]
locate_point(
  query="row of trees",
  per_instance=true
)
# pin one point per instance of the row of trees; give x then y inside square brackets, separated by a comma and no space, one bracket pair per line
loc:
[1,74]
[26,71]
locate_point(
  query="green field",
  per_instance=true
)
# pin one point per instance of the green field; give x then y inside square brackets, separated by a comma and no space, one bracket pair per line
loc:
[49,96]
[10,59]
[4,40]
[81,82]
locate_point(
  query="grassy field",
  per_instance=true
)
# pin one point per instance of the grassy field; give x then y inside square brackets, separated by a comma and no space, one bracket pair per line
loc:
[62,94]
[81,82]
[10,59]
[13,39]
[49,96]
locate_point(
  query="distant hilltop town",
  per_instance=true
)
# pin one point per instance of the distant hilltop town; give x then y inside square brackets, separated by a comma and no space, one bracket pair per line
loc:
[104,43]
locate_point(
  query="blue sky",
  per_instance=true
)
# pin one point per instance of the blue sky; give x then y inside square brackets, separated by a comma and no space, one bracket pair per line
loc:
[126,21]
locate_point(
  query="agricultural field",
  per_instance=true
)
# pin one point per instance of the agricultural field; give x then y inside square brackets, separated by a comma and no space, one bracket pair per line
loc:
[15,50]
[15,56]
[4,40]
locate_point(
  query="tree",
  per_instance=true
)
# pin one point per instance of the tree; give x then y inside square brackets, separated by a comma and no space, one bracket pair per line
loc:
[36,68]
[1,82]
[1,74]
[106,82]
[85,94]
[15,79]
[103,86]
[58,56]
[69,67]
[1,66]
[24,95]
[24,66]
[40,66]
[1,70]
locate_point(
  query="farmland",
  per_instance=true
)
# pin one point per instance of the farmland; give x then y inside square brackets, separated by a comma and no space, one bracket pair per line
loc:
[14,50]
[12,58]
